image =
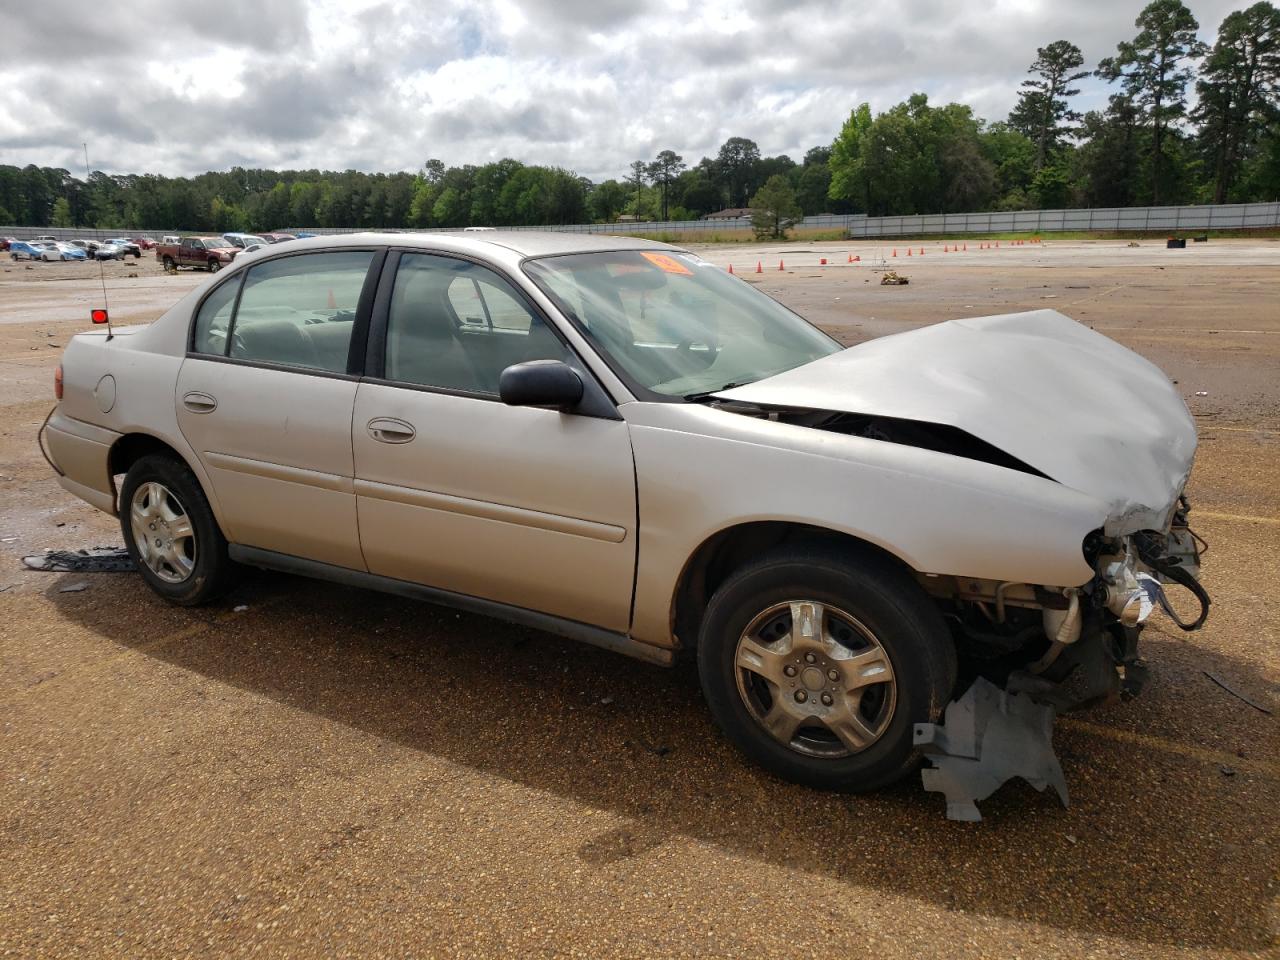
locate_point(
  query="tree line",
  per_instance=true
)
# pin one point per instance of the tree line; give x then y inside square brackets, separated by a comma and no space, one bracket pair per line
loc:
[1150,145]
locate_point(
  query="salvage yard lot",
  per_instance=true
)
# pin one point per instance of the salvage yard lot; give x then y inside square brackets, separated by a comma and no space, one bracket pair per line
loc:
[334,772]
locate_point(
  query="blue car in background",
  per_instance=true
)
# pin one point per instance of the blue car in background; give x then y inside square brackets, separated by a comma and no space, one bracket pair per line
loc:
[25,250]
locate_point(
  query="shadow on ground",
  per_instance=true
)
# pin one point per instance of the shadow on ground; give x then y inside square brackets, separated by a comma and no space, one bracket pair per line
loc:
[636,740]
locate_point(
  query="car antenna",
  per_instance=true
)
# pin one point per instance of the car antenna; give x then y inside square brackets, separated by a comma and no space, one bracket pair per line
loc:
[103,315]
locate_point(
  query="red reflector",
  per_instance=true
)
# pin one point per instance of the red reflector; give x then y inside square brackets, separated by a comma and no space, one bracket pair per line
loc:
[98,316]
[57,381]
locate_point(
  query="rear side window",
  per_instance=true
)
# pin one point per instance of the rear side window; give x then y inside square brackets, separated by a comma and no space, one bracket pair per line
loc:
[301,311]
[214,320]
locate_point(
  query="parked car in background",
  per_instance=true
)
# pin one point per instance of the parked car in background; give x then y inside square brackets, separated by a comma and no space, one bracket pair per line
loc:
[5,241]
[304,236]
[90,247]
[25,250]
[108,250]
[130,248]
[242,240]
[616,440]
[208,253]
[146,243]
[47,239]
[169,238]
[277,237]
[62,251]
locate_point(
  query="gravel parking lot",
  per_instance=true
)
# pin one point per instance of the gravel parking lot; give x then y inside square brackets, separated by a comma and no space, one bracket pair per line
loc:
[308,770]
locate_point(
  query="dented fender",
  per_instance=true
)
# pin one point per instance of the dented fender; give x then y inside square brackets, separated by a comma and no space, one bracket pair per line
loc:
[701,470]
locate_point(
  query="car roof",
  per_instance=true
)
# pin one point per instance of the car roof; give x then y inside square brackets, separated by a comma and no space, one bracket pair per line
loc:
[527,243]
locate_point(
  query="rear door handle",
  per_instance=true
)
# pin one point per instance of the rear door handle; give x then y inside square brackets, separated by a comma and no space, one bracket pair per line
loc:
[389,430]
[199,402]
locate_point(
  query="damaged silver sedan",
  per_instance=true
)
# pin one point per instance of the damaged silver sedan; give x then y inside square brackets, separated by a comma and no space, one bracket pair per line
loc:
[925,545]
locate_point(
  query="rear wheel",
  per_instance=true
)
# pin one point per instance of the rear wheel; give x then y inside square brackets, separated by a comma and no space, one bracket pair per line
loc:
[214,266]
[819,665]
[171,533]
[169,264]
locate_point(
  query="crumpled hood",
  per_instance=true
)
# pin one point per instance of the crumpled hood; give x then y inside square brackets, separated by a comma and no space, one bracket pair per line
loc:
[1069,402]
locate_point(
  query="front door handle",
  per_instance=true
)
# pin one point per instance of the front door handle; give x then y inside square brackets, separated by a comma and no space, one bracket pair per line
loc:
[389,430]
[199,402]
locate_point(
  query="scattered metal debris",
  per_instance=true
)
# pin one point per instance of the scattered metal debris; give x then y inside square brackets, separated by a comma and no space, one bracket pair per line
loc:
[988,736]
[93,560]
[240,608]
[1235,693]
[892,278]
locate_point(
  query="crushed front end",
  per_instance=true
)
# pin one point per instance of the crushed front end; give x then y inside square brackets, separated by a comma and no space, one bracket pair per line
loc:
[1030,651]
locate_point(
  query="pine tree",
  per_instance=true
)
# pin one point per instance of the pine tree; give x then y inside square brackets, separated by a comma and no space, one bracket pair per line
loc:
[1042,105]
[1155,68]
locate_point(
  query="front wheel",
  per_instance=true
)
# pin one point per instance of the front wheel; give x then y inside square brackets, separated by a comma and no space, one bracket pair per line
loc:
[214,266]
[171,532]
[818,665]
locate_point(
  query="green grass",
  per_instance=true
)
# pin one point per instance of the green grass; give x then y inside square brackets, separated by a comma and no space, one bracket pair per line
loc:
[1266,233]
[815,234]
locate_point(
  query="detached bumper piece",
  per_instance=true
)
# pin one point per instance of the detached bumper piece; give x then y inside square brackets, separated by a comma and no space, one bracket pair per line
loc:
[989,736]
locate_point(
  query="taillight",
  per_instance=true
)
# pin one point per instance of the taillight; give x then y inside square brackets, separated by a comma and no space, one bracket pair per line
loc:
[57,381]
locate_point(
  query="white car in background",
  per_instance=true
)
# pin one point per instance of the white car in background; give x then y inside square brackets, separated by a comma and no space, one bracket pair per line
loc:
[62,251]
[615,440]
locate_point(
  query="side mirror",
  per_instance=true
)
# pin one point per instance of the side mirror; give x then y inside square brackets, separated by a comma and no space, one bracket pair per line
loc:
[540,383]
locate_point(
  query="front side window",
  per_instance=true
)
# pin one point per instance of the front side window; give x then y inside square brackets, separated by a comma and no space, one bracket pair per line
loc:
[675,325]
[301,311]
[456,325]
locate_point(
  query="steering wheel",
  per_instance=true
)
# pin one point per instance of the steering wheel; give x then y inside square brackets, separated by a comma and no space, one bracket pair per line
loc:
[685,347]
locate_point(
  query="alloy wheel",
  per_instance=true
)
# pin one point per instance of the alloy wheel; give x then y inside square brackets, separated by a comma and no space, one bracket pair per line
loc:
[162,532]
[815,678]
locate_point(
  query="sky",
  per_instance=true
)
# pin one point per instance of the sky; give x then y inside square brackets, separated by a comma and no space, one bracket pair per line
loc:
[589,85]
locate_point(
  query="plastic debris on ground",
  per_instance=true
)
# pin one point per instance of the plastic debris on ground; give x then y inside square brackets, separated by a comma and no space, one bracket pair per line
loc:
[987,737]
[92,560]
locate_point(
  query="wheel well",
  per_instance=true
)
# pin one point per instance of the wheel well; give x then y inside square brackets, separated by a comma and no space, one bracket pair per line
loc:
[132,447]
[724,552]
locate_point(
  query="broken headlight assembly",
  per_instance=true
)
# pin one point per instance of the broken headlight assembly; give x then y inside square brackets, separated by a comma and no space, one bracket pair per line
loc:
[1131,580]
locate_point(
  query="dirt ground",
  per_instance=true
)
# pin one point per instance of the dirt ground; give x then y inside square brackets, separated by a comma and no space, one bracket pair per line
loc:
[310,770]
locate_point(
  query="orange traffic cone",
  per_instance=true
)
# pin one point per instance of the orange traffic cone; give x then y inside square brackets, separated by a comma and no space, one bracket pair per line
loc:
[997,244]
[850,258]
[908,251]
[731,268]
[966,246]
[895,251]
[822,262]
[922,251]
[858,258]
[780,265]
[759,267]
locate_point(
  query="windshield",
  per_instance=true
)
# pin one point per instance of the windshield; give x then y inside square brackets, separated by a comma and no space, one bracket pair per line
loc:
[675,325]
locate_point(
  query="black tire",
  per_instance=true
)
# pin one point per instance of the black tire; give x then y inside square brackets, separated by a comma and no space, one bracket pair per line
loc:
[214,266]
[169,264]
[887,603]
[211,571]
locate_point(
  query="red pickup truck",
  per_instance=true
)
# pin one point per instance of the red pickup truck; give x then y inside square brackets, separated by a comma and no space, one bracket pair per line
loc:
[206,253]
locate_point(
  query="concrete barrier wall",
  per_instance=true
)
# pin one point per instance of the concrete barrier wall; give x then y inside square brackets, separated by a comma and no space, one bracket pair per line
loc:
[1184,219]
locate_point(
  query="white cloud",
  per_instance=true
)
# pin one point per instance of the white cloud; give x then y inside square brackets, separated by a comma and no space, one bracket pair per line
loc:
[585,84]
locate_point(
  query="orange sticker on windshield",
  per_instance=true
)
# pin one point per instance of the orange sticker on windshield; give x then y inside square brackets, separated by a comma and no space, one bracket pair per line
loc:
[668,264]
